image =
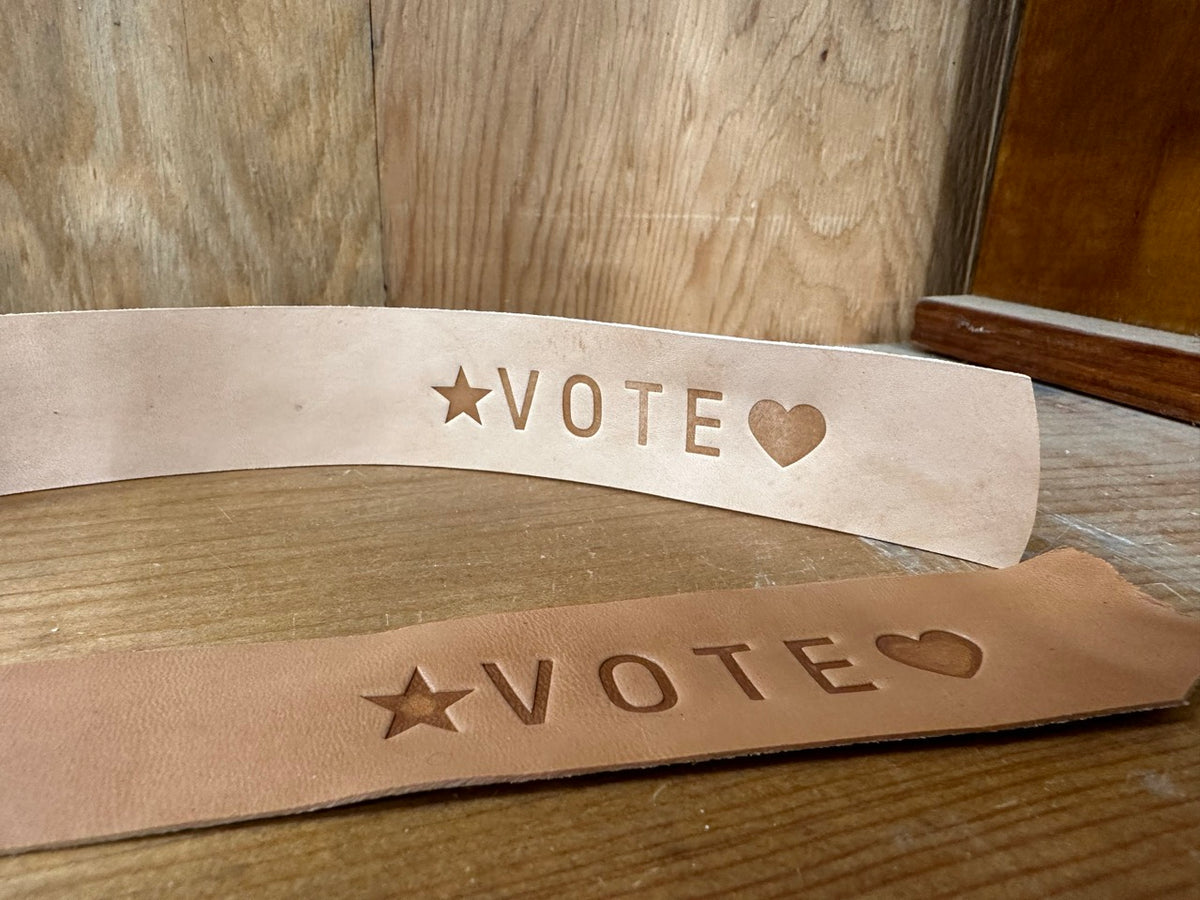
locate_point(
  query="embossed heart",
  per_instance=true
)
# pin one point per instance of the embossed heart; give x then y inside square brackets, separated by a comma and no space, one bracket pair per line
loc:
[943,652]
[788,435]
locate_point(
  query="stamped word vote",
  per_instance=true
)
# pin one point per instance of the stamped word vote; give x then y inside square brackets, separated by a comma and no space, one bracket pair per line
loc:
[581,405]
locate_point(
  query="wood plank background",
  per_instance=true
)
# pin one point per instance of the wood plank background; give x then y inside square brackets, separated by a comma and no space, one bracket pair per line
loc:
[165,153]
[756,168]
[779,168]
[1095,207]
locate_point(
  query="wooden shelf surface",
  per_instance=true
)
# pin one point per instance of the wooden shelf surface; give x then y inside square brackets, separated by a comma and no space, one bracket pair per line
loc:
[1110,805]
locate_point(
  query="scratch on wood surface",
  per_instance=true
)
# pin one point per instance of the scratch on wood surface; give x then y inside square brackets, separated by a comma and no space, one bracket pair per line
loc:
[1149,552]
[217,560]
[903,556]
[1159,784]
[1106,538]
[1167,587]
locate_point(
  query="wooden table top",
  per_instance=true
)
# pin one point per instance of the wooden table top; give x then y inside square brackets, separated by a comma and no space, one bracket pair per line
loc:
[1107,807]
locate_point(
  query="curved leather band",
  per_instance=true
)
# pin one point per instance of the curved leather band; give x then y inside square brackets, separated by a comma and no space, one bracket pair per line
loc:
[917,451]
[128,743]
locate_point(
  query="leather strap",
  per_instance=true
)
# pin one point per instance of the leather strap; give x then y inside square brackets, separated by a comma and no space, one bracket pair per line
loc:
[933,454]
[130,743]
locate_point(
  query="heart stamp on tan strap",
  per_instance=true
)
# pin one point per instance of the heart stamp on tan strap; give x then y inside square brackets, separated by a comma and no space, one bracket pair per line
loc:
[942,652]
[788,435]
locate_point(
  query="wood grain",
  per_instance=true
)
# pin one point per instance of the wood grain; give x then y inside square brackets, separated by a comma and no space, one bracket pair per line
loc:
[166,153]
[1094,206]
[765,168]
[1104,808]
[1153,370]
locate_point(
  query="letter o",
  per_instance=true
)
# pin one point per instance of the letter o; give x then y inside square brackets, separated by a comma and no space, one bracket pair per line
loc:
[568,420]
[669,697]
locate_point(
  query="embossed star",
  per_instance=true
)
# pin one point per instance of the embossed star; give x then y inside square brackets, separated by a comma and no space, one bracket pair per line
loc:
[418,705]
[462,397]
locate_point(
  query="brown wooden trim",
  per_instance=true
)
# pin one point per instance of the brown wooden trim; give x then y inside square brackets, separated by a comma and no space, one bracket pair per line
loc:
[1091,208]
[1142,367]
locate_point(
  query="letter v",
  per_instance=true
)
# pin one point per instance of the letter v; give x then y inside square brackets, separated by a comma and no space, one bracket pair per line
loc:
[535,713]
[519,418]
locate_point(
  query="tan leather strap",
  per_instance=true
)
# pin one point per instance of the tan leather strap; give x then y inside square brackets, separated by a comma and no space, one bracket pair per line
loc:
[138,742]
[933,454]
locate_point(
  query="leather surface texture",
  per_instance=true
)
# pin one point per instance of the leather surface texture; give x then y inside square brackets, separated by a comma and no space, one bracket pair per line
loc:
[928,453]
[137,742]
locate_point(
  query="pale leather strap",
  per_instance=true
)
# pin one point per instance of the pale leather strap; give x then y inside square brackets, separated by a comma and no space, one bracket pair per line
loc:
[137,742]
[923,452]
